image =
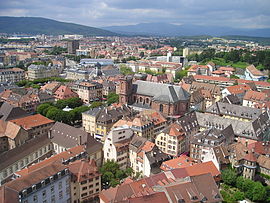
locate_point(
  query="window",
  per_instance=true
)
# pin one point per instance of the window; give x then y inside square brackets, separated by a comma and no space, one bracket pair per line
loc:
[84,188]
[53,199]
[161,108]
[97,184]
[60,185]
[44,193]
[60,194]
[84,194]
[35,199]
[97,190]
[90,186]
[52,189]
[83,182]
[97,178]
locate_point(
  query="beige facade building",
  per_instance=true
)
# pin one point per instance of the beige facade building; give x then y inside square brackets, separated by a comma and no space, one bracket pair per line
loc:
[85,181]
[89,91]
[41,71]
[172,140]
[11,75]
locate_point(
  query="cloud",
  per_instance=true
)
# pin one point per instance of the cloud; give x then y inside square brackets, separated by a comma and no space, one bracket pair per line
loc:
[232,13]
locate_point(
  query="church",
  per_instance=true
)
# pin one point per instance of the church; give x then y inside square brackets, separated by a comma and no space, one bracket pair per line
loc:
[171,100]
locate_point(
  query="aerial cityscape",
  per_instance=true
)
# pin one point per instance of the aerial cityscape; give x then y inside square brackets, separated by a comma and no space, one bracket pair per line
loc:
[134,101]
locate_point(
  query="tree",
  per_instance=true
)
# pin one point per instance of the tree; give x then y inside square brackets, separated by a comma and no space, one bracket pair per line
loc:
[42,107]
[112,98]
[237,196]
[142,54]
[258,192]
[52,112]
[229,176]
[180,74]
[96,104]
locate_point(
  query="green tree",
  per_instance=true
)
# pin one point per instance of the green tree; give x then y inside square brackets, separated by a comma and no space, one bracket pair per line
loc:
[96,104]
[237,196]
[112,98]
[52,113]
[258,192]
[180,74]
[229,176]
[42,107]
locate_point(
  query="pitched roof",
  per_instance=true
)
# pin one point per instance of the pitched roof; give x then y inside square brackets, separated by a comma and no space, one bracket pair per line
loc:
[254,71]
[10,112]
[32,121]
[167,93]
[256,96]
[182,161]
[58,158]
[9,157]
[67,136]
[35,177]
[64,92]
[83,169]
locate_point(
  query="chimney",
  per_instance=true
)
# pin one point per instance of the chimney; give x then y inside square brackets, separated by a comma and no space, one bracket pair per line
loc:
[80,140]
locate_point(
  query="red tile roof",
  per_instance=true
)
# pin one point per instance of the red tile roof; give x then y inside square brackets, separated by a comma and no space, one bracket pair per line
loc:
[182,161]
[56,158]
[32,121]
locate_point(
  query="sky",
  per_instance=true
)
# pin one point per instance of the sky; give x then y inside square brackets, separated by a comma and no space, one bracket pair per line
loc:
[100,13]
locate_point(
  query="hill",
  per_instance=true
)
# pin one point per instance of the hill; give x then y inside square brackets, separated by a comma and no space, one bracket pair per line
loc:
[167,29]
[36,25]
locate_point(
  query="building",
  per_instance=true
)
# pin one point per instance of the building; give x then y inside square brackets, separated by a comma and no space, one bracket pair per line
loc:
[72,45]
[250,158]
[65,137]
[35,125]
[172,140]
[12,75]
[32,151]
[93,62]
[27,99]
[255,99]
[182,161]
[219,155]
[48,184]
[89,120]
[85,182]
[204,141]
[40,71]
[199,70]
[170,100]
[178,185]
[9,112]
[116,146]
[99,121]
[89,91]
[233,111]
[64,92]
[50,87]
[145,157]
[252,73]
[256,129]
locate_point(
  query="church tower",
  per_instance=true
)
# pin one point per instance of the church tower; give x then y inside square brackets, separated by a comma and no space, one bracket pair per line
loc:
[125,90]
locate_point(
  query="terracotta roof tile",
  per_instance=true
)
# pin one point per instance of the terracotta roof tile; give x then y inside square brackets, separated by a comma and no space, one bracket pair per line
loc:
[29,122]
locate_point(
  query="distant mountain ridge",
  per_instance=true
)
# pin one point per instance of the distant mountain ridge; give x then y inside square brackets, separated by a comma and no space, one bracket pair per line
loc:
[167,29]
[37,25]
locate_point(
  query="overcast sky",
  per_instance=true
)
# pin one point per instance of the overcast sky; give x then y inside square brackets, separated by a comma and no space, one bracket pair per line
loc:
[98,13]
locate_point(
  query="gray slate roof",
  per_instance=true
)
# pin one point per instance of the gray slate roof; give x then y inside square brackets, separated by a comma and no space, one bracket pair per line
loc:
[9,112]
[161,92]
[234,110]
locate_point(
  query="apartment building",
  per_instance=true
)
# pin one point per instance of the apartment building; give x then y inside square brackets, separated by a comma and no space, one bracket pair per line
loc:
[172,140]
[99,121]
[145,157]
[36,125]
[50,183]
[85,181]
[11,75]
[32,151]
[204,141]
[89,91]
[116,146]
[41,71]
[64,137]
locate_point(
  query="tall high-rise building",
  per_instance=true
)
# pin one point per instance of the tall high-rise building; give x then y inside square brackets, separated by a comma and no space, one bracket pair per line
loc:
[72,45]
